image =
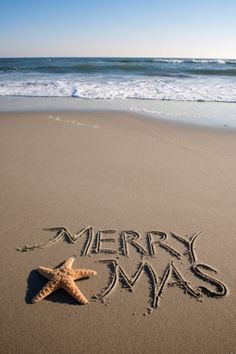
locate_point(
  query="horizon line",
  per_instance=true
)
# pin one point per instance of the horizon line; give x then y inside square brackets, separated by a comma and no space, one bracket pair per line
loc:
[115,57]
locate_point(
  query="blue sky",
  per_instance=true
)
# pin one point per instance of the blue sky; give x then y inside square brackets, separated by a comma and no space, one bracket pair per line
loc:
[157,28]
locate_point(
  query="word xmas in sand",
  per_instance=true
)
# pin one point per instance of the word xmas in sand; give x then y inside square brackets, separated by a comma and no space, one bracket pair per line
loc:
[100,242]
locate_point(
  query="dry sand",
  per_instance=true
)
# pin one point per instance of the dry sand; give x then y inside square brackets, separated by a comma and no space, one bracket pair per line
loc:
[118,171]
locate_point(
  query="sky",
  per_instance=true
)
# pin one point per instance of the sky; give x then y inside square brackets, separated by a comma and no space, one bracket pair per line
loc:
[118,28]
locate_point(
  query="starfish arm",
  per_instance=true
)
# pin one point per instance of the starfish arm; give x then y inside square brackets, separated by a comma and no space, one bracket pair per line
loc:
[83,273]
[46,272]
[51,286]
[68,263]
[72,289]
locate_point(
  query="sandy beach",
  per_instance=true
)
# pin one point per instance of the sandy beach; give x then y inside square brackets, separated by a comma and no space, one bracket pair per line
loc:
[166,268]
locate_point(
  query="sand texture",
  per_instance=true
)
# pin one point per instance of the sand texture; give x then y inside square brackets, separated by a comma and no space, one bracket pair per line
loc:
[148,205]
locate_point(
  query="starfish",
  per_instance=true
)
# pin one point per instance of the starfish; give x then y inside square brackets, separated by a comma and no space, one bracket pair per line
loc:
[63,277]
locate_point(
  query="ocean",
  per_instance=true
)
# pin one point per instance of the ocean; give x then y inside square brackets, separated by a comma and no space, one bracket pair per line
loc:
[161,79]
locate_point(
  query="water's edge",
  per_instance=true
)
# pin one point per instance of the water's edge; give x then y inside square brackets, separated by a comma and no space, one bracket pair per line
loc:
[211,114]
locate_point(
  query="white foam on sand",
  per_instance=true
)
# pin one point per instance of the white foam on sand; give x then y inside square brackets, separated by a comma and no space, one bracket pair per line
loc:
[209,89]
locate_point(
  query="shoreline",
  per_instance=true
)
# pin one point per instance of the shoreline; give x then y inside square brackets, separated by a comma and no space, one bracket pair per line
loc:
[205,114]
[161,183]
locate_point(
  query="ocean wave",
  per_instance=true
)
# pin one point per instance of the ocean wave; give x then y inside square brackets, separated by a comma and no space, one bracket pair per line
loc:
[217,90]
[120,66]
[195,61]
[210,61]
[120,78]
[114,68]
[172,61]
[210,72]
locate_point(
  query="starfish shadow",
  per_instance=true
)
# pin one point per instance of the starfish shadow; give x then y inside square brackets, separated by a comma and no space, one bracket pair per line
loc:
[35,283]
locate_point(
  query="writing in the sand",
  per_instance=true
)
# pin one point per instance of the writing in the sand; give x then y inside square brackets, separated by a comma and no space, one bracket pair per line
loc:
[115,244]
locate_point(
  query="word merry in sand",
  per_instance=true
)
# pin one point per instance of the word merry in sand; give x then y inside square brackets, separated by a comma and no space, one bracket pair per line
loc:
[95,240]
[93,244]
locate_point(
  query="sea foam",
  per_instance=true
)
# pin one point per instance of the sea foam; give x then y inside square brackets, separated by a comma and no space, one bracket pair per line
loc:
[177,79]
[179,89]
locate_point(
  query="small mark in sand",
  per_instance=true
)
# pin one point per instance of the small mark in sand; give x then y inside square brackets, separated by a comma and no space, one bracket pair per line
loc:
[74,122]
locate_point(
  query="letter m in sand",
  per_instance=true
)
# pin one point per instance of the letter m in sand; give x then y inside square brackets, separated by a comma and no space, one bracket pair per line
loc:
[117,273]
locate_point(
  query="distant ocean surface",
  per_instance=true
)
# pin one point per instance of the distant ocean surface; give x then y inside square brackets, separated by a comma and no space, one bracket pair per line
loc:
[209,80]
